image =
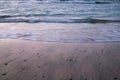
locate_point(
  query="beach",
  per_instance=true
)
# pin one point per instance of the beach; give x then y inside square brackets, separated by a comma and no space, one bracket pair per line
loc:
[32,60]
[59,39]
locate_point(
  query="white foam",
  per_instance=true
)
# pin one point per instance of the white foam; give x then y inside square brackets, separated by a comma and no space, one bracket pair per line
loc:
[109,32]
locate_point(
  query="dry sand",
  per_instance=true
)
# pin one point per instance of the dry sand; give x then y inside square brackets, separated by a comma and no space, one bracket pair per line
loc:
[31,60]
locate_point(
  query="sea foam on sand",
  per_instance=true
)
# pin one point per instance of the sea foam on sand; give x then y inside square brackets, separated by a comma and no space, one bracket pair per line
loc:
[60,32]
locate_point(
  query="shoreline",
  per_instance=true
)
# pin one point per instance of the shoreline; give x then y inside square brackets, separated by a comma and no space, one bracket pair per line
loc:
[54,32]
[32,60]
[106,42]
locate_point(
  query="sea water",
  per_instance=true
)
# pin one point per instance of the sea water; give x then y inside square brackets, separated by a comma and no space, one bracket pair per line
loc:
[55,11]
[104,15]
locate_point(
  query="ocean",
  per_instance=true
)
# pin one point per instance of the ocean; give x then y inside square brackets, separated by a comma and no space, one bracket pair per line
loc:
[59,11]
[103,15]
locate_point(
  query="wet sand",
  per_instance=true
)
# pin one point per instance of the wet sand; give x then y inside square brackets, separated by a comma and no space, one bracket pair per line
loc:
[32,60]
[56,32]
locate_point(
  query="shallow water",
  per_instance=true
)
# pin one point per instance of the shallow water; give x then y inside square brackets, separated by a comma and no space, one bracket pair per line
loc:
[57,32]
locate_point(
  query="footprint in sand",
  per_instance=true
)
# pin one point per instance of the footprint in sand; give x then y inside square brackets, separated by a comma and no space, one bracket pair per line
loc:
[4,74]
[25,60]
[35,75]
[43,76]
[99,63]
[70,59]
[37,53]
[85,50]
[5,64]
[23,68]
[115,78]
[38,66]
[102,51]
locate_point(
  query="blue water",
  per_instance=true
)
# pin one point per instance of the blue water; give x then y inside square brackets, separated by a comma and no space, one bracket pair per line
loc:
[55,11]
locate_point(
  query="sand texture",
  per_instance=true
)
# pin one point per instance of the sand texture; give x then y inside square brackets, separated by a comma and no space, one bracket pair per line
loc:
[31,60]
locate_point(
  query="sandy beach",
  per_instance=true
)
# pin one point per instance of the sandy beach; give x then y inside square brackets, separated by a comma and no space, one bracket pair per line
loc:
[32,60]
[59,39]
